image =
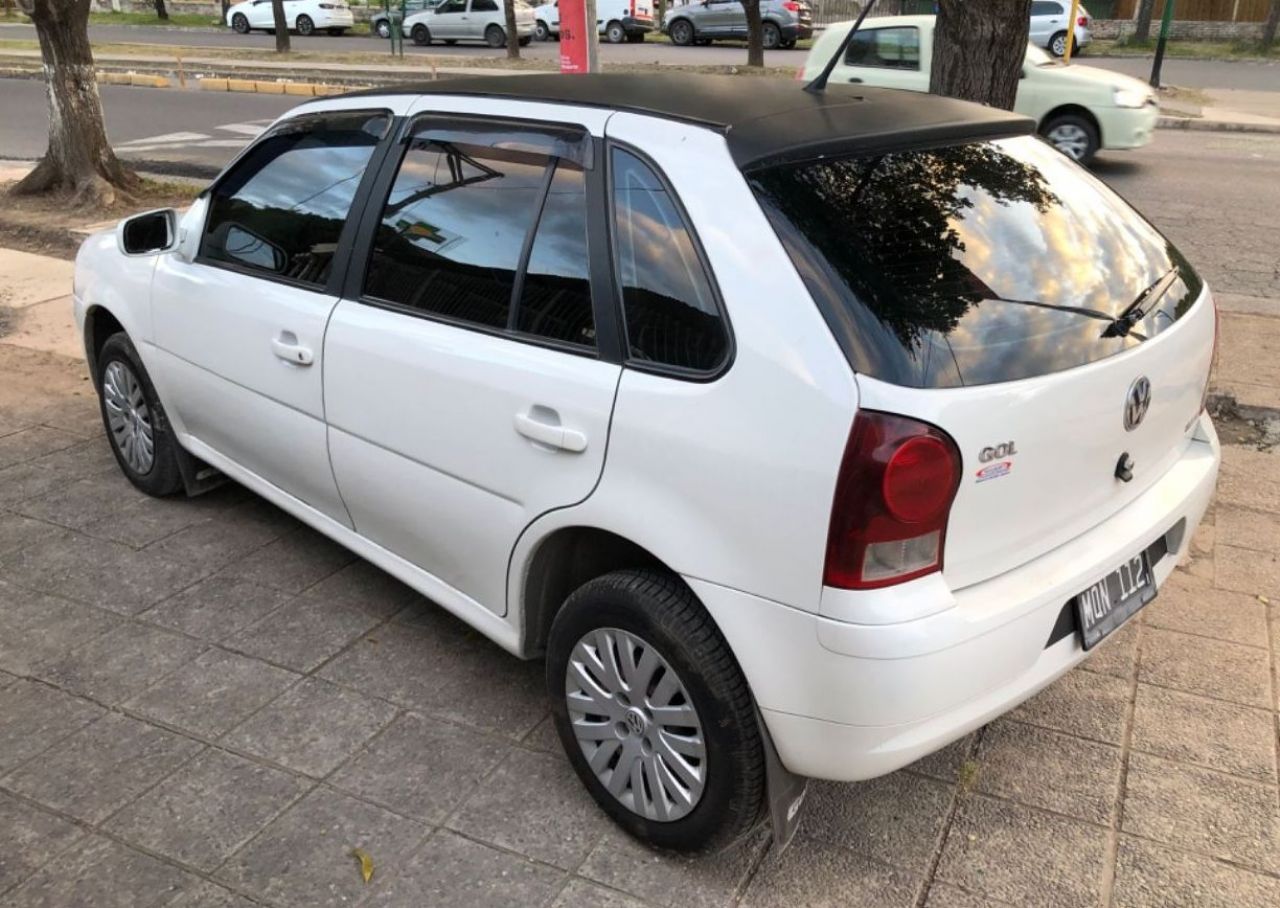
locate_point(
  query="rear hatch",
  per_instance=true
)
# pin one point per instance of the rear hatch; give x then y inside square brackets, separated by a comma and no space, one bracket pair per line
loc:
[982,288]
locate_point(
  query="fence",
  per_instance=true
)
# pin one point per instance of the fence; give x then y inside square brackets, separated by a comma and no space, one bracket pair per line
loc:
[1195,10]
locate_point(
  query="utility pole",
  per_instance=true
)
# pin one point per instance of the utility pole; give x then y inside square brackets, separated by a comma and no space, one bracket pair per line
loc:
[1071,30]
[1165,21]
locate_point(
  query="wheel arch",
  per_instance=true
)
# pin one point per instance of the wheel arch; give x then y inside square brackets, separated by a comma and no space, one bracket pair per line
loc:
[1073,110]
[693,25]
[99,324]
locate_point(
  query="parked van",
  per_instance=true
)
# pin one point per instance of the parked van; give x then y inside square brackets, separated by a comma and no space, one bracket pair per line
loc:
[617,20]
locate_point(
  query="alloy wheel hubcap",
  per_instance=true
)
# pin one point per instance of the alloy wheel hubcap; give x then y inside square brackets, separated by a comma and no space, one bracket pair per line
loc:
[128,417]
[636,724]
[1070,139]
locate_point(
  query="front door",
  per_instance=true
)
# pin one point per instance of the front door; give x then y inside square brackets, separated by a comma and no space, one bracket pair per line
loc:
[467,382]
[260,14]
[239,326]
[448,20]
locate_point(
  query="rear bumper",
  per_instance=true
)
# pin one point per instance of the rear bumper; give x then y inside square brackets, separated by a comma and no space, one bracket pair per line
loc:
[637,26]
[796,31]
[847,701]
[1127,127]
[335,19]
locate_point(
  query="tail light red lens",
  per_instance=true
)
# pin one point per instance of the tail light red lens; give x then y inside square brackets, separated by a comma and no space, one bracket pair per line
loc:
[897,481]
[1083,22]
[791,6]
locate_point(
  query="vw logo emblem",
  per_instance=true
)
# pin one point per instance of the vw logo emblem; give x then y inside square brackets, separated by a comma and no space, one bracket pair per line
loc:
[1137,402]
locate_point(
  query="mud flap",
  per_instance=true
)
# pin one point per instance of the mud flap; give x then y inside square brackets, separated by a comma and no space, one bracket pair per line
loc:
[784,791]
[197,476]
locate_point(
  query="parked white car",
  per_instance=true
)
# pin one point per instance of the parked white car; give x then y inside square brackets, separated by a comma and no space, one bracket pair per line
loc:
[617,20]
[305,17]
[1050,20]
[469,20]
[1080,109]
[827,425]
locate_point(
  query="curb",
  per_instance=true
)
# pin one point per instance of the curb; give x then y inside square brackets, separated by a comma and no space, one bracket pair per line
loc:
[1193,124]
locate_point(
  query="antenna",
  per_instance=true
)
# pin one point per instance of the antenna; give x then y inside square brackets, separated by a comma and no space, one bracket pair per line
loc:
[820,83]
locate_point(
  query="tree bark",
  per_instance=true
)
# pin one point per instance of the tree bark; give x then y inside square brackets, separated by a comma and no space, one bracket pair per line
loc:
[1269,30]
[755,33]
[513,43]
[161,12]
[79,159]
[979,49]
[1142,26]
[282,26]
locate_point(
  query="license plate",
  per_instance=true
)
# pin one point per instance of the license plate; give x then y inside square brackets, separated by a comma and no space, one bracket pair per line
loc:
[1111,601]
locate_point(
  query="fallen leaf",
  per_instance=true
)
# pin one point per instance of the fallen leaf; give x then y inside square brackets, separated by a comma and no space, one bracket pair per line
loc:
[1264,600]
[366,863]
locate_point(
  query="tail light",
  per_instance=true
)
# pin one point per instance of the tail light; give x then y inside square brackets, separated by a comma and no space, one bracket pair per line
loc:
[791,6]
[893,497]
[1083,22]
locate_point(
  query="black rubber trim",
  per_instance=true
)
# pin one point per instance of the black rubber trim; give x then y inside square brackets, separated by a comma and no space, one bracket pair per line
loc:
[1068,622]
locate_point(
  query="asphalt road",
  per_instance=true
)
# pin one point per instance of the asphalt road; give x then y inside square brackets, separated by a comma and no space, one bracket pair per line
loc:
[1185,73]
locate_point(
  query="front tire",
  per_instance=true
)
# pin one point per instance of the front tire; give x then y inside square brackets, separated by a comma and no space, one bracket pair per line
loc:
[383,28]
[681,32]
[1058,44]
[654,712]
[138,430]
[240,24]
[1074,135]
[541,32]
[614,33]
[304,26]
[421,35]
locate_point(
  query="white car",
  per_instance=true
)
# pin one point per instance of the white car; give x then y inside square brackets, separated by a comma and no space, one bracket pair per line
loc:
[1049,24]
[800,433]
[1080,109]
[469,20]
[616,20]
[305,17]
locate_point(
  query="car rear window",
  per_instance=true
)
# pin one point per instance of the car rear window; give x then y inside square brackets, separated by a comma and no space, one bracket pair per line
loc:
[972,264]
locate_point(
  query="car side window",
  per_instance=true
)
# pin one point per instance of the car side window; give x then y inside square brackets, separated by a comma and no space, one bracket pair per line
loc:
[469,229]
[280,210]
[670,310]
[484,6]
[886,48]
[452,6]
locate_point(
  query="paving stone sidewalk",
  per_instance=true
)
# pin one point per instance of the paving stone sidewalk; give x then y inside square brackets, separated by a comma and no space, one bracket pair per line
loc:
[205,703]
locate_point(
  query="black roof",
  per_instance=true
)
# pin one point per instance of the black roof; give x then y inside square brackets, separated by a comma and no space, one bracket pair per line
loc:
[765,120]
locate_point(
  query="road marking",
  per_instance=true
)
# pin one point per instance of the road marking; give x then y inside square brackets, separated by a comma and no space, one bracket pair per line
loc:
[167,138]
[175,141]
[247,129]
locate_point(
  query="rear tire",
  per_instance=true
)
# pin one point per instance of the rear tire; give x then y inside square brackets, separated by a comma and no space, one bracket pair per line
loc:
[1058,44]
[137,429]
[681,32]
[614,33]
[1072,134]
[772,36]
[383,28]
[240,24]
[541,32]
[304,26]
[678,686]
[421,35]
[494,36]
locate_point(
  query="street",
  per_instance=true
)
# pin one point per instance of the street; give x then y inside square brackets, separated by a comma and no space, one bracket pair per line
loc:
[1184,72]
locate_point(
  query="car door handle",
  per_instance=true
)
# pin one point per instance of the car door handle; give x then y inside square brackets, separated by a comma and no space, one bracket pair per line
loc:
[855,79]
[536,426]
[287,348]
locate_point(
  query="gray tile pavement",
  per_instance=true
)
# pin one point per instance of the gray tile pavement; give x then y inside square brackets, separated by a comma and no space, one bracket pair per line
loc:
[204,704]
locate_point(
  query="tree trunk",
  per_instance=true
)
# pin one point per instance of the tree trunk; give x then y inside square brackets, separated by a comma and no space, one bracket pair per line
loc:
[755,33]
[1142,27]
[979,49]
[1269,30]
[79,158]
[513,44]
[282,26]
[161,12]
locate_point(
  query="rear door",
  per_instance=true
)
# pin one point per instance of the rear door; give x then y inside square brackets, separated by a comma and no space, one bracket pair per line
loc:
[887,58]
[472,365]
[980,286]
[481,14]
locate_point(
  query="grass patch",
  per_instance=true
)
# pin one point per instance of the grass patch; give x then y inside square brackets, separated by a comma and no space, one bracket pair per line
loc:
[175,20]
[1195,50]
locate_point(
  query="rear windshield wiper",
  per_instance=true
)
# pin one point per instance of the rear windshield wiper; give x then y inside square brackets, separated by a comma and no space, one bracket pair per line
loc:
[1136,311]
[1078,310]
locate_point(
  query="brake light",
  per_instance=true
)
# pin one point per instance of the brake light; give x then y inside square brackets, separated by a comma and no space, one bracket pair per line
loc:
[1083,22]
[791,6]
[897,481]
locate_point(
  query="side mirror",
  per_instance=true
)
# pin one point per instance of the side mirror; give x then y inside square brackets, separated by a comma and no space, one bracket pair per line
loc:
[149,233]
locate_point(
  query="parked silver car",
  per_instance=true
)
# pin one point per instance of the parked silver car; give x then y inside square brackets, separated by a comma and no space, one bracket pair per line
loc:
[703,21]
[1049,23]
[469,20]
[380,19]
